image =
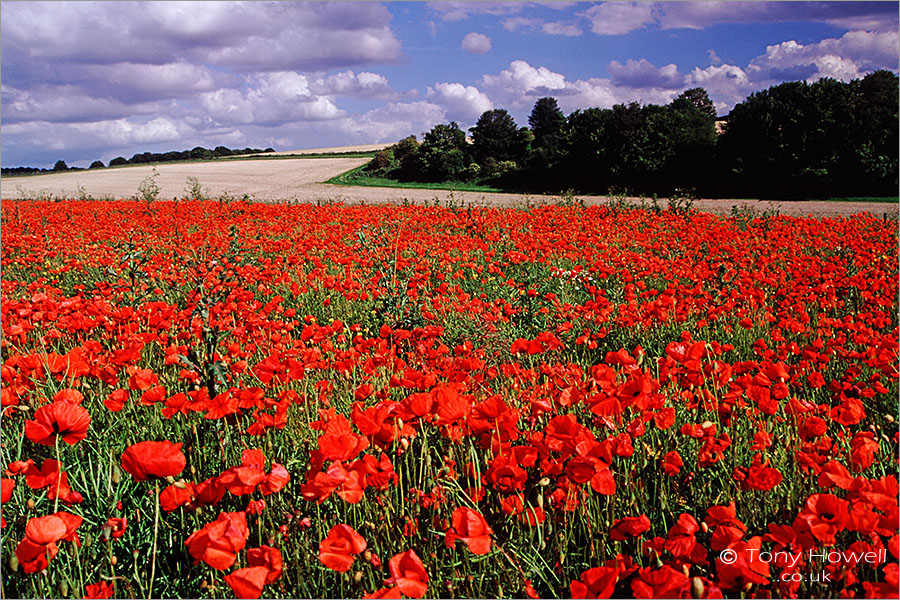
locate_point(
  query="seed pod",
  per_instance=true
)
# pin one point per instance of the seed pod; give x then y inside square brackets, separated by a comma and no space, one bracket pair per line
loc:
[697,587]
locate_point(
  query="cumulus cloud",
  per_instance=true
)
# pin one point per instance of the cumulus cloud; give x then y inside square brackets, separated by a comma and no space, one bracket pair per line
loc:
[618,18]
[249,36]
[393,121]
[641,73]
[872,16]
[476,43]
[358,85]
[525,23]
[726,84]
[521,85]
[463,103]
[99,134]
[270,99]
[845,58]
[561,28]
[459,11]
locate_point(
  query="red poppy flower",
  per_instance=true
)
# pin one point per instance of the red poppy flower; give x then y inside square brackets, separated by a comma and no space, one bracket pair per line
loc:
[153,459]
[6,490]
[247,582]
[826,515]
[598,582]
[672,463]
[629,527]
[68,421]
[268,557]
[218,543]
[115,526]
[174,496]
[340,548]
[470,527]
[116,400]
[863,449]
[664,582]
[99,591]
[408,572]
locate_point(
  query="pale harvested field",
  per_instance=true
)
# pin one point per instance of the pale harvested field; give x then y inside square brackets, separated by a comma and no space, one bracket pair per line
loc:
[299,180]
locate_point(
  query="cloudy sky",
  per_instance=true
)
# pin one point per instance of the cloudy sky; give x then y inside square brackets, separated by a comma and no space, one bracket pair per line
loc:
[94,80]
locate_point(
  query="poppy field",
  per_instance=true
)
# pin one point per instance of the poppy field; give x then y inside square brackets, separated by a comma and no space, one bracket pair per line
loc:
[227,399]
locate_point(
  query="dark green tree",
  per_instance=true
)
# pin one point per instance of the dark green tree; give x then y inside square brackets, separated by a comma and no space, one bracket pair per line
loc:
[60,166]
[497,135]
[443,154]
[118,161]
[97,164]
[547,122]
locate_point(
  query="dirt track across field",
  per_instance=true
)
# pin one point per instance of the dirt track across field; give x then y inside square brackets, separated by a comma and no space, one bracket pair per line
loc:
[299,180]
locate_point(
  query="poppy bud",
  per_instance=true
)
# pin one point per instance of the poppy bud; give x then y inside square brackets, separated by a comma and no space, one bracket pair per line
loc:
[180,484]
[116,476]
[30,503]
[704,527]
[13,563]
[540,501]
[63,588]
[113,560]
[404,443]
[697,587]
[544,481]
[357,577]
[170,479]
[706,424]
[23,408]
[889,418]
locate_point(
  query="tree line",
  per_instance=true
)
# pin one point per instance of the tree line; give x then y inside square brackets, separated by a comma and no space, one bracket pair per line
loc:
[796,139]
[198,153]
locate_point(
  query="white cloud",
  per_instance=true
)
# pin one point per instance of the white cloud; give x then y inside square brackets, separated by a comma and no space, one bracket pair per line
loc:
[845,58]
[870,16]
[642,74]
[519,86]
[522,78]
[358,85]
[460,11]
[460,102]
[561,28]
[476,43]
[516,23]
[393,122]
[618,18]
[727,85]
[271,99]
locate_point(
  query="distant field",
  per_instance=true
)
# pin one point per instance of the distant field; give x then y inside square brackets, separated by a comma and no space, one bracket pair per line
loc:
[303,180]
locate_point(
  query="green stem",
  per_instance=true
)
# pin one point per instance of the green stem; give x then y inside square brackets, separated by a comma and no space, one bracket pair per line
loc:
[59,472]
[155,532]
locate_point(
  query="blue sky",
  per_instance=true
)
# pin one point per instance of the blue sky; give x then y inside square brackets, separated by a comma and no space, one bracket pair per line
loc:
[95,80]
